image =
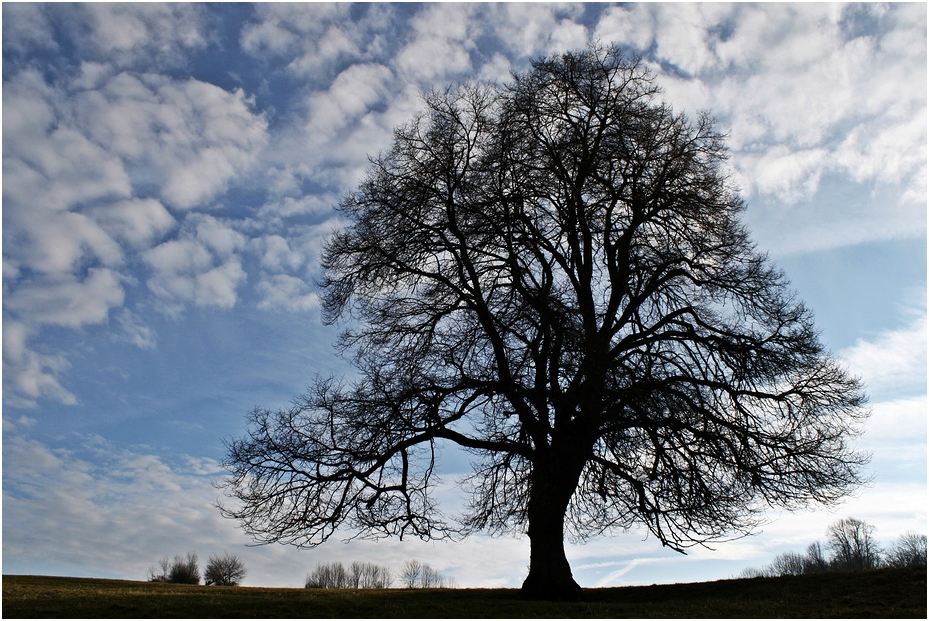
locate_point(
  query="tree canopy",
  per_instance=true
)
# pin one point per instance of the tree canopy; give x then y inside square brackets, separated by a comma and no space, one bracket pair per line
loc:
[553,275]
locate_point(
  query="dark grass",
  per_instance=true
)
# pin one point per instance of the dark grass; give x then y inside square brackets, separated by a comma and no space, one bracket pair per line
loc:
[889,593]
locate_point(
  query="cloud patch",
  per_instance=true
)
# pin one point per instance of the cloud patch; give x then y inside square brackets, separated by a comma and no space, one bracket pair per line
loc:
[201,267]
[894,360]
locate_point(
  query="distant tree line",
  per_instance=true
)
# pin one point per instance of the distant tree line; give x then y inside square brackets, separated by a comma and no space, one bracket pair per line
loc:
[413,574]
[225,570]
[419,575]
[850,545]
[356,576]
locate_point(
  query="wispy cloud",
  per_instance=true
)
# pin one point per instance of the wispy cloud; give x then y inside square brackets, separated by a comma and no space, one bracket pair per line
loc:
[894,360]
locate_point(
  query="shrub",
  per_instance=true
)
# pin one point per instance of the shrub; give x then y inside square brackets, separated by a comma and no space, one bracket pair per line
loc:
[225,570]
[185,571]
[179,571]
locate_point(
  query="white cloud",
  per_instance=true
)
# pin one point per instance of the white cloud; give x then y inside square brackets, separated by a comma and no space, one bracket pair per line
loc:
[286,292]
[897,429]
[135,222]
[188,138]
[314,38]
[530,29]
[57,243]
[626,25]
[133,330]
[788,175]
[803,97]
[26,28]
[201,267]
[894,360]
[68,301]
[46,163]
[441,44]
[89,164]
[115,512]
[140,34]
[352,95]
[278,29]
[118,513]
[29,375]
[276,254]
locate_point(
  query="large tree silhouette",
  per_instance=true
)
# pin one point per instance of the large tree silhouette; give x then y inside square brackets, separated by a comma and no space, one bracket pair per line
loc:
[553,275]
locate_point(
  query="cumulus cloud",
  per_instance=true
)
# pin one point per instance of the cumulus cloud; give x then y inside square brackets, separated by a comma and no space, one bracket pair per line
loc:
[804,92]
[148,35]
[26,27]
[201,267]
[47,163]
[93,163]
[276,253]
[187,138]
[528,29]
[314,38]
[135,222]
[441,44]
[287,293]
[353,93]
[29,375]
[68,301]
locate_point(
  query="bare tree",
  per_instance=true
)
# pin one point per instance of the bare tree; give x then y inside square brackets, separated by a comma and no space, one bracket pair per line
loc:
[329,576]
[815,561]
[370,576]
[909,550]
[161,572]
[357,574]
[853,545]
[553,276]
[410,573]
[225,570]
[787,564]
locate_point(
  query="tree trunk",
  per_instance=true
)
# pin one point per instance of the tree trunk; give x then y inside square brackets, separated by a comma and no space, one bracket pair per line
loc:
[550,575]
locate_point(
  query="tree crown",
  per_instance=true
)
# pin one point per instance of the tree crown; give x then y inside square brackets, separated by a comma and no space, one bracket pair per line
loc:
[553,276]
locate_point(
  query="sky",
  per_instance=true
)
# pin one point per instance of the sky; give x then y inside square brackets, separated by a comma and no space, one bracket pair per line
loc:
[170,174]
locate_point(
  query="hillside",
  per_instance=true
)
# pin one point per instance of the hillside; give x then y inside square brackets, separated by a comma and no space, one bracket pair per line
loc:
[892,593]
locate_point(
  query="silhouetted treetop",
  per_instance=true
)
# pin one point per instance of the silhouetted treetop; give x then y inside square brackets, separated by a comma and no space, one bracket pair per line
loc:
[553,275]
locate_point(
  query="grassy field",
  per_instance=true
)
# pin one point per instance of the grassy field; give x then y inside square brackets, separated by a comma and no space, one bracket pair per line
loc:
[893,593]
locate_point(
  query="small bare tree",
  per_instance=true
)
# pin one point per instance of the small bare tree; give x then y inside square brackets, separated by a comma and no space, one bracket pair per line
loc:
[410,573]
[160,572]
[815,561]
[369,576]
[225,570]
[908,551]
[787,564]
[329,576]
[430,578]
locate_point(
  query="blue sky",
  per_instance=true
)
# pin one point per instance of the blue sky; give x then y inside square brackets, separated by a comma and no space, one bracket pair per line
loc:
[169,176]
